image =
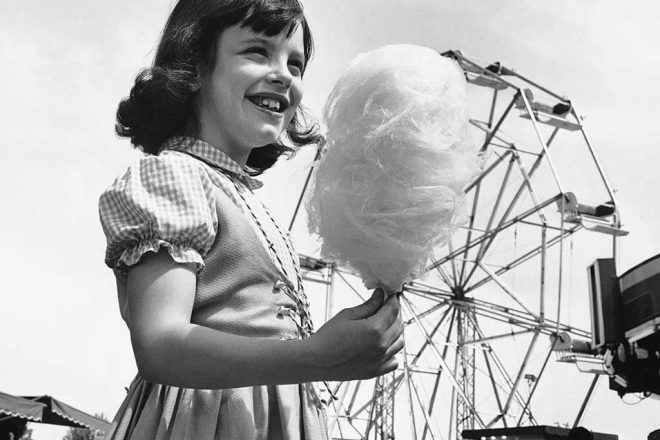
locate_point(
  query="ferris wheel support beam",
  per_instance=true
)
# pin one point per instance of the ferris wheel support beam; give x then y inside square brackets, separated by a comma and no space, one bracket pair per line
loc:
[372,419]
[466,332]
[429,421]
[408,379]
[536,382]
[587,398]
[496,392]
[339,406]
[441,360]
[521,372]
[436,384]
[502,371]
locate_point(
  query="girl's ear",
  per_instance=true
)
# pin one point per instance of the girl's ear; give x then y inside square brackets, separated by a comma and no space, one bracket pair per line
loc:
[195,86]
[198,81]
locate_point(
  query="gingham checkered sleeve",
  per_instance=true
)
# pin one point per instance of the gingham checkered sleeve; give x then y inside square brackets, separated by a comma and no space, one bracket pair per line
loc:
[161,201]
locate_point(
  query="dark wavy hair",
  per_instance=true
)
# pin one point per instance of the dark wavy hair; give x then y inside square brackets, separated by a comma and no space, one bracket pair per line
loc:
[160,104]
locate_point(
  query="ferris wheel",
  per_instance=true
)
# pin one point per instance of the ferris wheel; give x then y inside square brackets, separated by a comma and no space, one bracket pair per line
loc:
[500,286]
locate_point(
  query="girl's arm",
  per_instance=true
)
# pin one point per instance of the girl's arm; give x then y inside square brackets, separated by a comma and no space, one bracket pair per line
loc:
[357,343]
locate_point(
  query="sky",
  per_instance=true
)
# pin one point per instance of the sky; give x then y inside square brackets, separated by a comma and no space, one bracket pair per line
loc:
[66,64]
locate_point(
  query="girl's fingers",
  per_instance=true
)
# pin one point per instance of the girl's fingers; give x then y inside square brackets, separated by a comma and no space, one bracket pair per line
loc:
[388,313]
[396,347]
[393,332]
[388,366]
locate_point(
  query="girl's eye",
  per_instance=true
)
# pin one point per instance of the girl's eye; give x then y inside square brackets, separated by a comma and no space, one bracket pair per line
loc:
[296,67]
[257,50]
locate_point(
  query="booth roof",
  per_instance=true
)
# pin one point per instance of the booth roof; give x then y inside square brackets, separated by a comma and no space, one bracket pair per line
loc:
[46,409]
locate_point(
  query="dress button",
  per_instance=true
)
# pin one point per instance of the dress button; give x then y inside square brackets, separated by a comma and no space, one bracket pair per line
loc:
[279,285]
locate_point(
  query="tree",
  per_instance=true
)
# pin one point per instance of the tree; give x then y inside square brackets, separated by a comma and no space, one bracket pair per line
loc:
[83,433]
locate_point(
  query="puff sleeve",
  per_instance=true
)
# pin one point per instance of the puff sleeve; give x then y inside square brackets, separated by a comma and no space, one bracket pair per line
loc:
[161,201]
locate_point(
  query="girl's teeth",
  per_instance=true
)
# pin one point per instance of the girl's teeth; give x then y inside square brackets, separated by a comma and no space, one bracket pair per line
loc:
[271,104]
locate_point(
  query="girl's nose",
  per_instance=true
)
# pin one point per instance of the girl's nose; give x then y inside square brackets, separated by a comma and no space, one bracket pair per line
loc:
[280,75]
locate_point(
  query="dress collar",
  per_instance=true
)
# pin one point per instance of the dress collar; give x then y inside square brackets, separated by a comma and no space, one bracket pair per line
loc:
[212,156]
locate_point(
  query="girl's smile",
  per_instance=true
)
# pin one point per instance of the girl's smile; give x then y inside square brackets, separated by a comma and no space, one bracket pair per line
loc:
[253,91]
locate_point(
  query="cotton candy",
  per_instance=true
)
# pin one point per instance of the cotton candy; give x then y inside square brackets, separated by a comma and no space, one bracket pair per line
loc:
[389,187]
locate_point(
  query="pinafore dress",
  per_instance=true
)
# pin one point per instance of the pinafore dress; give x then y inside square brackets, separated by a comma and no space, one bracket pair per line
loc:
[245,285]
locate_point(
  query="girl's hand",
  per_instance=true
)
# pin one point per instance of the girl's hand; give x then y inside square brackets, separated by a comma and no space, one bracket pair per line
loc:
[360,342]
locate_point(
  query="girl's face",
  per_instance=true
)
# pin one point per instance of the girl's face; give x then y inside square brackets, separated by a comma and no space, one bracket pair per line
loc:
[253,91]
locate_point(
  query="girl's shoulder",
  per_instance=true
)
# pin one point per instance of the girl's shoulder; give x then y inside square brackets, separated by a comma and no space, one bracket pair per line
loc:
[165,200]
[169,171]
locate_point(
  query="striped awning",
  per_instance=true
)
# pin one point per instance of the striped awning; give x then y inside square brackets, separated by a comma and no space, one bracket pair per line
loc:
[46,409]
[14,406]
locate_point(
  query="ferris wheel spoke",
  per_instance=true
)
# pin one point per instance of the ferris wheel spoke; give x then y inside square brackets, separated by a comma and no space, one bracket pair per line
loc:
[444,275]
[485,244]
[431,310]
[454,270]
[491,134]
[527,256]
[473,215]
[499,336]
[426,343]
[500,282]
[491,234]
[525,184]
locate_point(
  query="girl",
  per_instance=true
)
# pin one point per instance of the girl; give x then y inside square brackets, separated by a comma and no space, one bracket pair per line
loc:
[208,283]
